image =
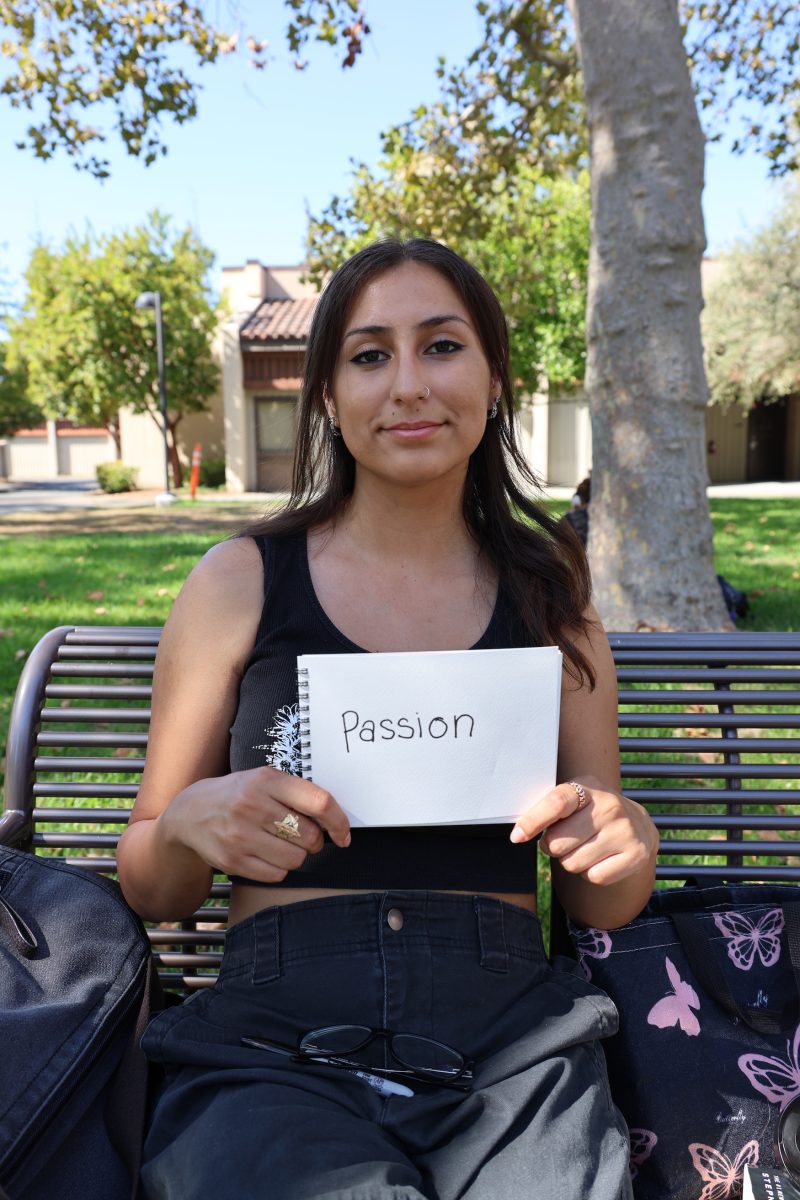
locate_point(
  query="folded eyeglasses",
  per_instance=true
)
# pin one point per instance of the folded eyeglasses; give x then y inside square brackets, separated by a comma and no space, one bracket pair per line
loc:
[419,1058]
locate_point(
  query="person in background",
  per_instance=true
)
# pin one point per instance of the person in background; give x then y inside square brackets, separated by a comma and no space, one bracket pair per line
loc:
[578,514]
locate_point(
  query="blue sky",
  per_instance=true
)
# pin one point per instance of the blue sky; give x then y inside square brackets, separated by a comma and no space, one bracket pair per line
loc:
[268,143]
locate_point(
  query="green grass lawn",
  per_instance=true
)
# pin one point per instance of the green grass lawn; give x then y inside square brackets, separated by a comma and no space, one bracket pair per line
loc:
[132,577]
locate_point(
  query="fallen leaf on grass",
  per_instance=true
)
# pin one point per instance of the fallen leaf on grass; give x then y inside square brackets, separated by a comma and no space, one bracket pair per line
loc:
[42,583]
[100,611]
[122,752]
[19,654]
[95,595]
[140,602]
[763,520]
[729,528]
[749,545]
[162,591]
[169,566]
[706,756]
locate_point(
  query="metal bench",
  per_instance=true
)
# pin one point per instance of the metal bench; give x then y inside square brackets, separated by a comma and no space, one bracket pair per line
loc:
[706,731]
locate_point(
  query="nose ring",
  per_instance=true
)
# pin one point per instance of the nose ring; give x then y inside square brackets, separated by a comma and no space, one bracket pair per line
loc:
[426,393]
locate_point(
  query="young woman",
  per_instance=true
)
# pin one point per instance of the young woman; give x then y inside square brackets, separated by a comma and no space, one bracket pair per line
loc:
[386,1023]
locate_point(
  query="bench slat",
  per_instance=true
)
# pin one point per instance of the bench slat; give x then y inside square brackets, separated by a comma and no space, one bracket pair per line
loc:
[113,716]
[89,691]
[72,738]
[731,745]
[107,763]
[708,696]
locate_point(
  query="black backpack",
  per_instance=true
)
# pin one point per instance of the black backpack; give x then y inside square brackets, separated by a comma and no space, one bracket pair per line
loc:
[76,989]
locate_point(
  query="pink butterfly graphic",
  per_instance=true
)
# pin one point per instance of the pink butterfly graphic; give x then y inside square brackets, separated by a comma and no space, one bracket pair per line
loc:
[722,1177]
[676,1007]
[592,943]
[642,1144]
[746,939]
[776,1078]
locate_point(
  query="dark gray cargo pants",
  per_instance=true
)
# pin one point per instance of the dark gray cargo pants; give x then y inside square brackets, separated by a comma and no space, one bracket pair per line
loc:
[235,1123]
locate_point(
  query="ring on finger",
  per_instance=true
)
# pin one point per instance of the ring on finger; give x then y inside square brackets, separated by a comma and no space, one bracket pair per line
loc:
[580,790]
[288,828]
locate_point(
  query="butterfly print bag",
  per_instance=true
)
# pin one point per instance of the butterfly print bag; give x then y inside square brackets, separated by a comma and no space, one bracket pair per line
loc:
[707,1058]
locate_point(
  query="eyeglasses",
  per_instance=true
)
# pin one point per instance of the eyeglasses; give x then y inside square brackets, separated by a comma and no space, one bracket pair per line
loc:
[420,1058]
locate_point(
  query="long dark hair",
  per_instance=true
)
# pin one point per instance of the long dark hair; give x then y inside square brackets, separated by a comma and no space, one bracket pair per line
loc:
[539,561]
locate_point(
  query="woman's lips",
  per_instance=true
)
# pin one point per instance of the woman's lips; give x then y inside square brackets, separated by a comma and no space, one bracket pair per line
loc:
[411,430]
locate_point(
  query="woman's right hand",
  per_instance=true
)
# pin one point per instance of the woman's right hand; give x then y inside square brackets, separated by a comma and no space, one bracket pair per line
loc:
[232,822]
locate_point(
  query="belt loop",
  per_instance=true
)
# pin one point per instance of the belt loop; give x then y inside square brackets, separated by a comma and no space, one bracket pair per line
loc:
[266,945]
[494,952]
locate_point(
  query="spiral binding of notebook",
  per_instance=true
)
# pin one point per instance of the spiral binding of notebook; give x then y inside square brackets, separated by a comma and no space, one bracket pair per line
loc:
[304,710]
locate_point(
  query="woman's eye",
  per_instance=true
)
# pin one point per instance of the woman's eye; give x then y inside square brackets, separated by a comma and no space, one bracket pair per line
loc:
[367,357]
[445,346]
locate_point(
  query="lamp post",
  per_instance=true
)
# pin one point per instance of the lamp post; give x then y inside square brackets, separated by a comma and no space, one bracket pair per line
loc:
[153,300]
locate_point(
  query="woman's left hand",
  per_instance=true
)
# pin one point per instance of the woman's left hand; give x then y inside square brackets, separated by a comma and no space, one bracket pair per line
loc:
[600,835]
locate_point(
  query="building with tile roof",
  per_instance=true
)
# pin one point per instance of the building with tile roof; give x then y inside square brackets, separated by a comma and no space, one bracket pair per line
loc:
[260,345]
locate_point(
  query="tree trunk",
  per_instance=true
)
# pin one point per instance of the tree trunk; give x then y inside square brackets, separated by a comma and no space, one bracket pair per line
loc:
[650,540]
[176,466]
[114,431]
[174,458]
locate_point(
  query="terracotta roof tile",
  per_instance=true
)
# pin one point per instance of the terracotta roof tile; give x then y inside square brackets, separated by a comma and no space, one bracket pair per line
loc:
[279,321]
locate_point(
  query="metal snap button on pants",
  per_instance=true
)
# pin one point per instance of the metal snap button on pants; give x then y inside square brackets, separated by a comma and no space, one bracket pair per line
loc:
[236,1123]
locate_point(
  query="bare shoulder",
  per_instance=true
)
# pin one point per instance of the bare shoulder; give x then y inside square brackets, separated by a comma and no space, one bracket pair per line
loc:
[219,606]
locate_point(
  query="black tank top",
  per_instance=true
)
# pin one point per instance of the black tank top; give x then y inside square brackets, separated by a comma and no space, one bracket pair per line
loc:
[266,730]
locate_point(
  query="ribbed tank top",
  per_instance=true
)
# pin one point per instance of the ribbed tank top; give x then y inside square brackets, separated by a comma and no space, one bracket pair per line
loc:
[266,731]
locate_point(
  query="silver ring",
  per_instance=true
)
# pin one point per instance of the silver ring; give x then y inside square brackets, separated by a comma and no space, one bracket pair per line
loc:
[426,393]
[580,790]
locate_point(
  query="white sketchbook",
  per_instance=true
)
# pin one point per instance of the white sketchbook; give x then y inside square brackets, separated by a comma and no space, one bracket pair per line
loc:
[431,737]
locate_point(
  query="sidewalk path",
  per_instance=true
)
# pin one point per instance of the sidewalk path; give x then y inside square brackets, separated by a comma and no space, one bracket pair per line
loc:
[78,506]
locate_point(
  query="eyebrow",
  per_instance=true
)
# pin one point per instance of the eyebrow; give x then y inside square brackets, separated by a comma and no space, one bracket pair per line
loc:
[428,323]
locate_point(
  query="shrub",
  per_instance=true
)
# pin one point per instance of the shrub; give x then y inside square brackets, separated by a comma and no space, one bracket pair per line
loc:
[212,472]
[116,476]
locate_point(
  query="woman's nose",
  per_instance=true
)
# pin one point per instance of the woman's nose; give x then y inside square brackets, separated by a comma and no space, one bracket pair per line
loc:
[408,386]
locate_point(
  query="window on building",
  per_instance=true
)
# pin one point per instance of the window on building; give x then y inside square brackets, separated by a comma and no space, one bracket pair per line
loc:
[275,424]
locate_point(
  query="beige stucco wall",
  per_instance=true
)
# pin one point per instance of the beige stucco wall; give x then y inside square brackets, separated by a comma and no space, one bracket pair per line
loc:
[240,449]
[142,447]
[207,428]
[569,440]
[532,415]
[31,457]
[79,454]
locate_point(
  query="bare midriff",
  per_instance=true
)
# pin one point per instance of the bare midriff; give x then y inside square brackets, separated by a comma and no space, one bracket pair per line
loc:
[247,900]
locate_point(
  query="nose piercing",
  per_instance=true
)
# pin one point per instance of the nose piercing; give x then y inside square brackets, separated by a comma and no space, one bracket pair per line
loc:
[426,393]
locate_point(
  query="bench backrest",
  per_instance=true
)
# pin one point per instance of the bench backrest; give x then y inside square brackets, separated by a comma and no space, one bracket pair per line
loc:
[707,730]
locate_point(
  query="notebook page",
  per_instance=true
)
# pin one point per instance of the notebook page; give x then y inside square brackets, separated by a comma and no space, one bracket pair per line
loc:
[433,737]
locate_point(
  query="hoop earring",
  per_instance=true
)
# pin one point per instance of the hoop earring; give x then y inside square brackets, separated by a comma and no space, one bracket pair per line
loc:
[492,413]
